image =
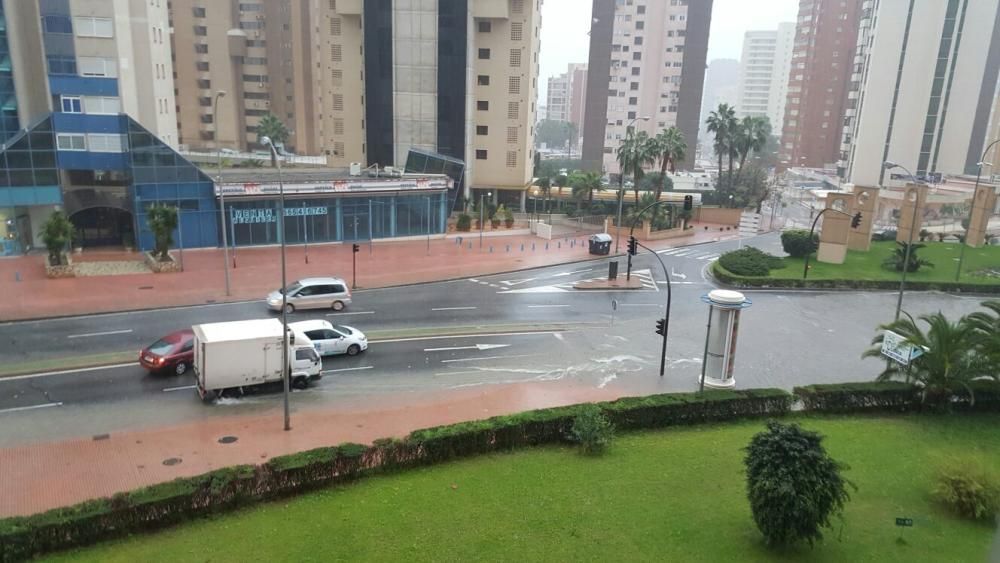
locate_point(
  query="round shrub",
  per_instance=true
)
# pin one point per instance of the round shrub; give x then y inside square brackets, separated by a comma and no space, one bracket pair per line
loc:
[749,261]
[797,243]
[592,430]
[464,222]
[968,489]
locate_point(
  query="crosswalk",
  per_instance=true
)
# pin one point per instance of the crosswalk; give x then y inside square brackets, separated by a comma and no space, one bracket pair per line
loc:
[686,252]
[645,276]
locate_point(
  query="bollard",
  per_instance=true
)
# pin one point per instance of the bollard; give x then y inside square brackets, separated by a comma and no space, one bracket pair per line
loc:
[522,247]
[17,276]
[558,245]
[491,249]
[532,247]
[546,246]
[508,248]
[470,246]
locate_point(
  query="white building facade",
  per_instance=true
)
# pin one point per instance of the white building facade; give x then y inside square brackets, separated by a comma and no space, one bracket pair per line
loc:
[764,66]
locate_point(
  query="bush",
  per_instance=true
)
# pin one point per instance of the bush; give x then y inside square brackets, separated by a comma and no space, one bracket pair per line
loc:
[162,220]
[968,489]
[793,485]
[57,233]
[854,397]
[749,261]
[592,430]
[798,244]
[885,235]
[464,222]
[898,258]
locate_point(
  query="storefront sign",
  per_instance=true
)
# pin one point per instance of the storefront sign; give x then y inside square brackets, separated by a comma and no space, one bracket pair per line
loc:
[267,215]
[337,186]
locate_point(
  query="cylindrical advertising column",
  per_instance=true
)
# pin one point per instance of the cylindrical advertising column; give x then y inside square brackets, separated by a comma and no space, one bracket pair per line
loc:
[720,342]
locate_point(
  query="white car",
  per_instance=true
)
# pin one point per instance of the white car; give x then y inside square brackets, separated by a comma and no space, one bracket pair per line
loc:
[330,339]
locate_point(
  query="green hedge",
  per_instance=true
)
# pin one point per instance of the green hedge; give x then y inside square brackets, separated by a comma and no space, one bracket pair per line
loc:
[168,503]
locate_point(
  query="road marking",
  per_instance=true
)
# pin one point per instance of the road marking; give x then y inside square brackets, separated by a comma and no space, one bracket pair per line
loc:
[517,282]
[709,257]
[570,273]
[684,253]
[545,306]
[106,333]
[640,305]
[346,369]
[479,359]
[452,308]
[479,347]
[65,371]
[663,282]
[668,251]
[676,275]
[181,388]
[351,313]
[32,407]
[418,338]
[473,280]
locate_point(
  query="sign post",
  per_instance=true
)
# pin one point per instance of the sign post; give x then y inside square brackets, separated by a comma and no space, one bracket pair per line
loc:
[903,523]
[899,349]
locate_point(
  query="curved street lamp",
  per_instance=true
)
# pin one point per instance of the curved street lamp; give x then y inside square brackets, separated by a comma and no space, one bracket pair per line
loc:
[889,165]
[264,140]
[972,206]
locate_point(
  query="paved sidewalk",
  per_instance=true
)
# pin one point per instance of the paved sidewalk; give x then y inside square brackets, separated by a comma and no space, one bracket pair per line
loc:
[28,293]
[40,477]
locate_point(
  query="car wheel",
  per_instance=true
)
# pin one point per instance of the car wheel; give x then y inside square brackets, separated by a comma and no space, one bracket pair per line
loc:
[338,305]
[300,382]
[180,369]
[289,308]
[353,350]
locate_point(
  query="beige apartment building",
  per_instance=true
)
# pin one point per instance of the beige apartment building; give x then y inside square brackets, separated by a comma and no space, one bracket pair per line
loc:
[366,81]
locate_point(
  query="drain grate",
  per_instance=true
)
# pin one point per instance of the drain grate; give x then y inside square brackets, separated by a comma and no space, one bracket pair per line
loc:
[145,287]
[227,439]
[101,437]
[172,461]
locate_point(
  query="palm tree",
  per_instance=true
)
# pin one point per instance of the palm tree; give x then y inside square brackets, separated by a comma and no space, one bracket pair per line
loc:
[271,126]
[669,146]
[586,183]
[635,153]
[750,136]
[722,122]
[949,361]
[546,186]
[987,326]
[897,259]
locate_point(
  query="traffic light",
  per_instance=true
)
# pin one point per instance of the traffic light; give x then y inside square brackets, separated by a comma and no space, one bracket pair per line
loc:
[688,203]
[856,220]
[661,326]
[633,246]
[357,247]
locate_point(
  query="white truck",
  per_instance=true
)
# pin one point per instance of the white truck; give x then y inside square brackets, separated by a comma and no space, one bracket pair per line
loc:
[232,356]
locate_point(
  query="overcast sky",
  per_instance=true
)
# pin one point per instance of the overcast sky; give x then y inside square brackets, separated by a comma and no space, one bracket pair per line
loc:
[565,24]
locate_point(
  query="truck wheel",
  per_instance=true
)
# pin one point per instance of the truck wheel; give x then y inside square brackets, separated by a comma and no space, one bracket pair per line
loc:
[353,350]
[210,397]
[300,382]
[289,308]
[338,305]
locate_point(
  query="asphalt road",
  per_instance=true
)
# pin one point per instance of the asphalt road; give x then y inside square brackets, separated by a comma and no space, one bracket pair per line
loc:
[786,339]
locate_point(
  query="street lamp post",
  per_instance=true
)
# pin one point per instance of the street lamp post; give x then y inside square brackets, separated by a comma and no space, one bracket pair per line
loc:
[972,207]
[222,194]
[482,222]
[889,165]
[284,283]
[621,183]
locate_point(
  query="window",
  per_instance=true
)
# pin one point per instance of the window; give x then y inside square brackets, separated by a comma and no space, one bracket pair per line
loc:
[638,40]
[71,141]
[640,9]
[200,30]
[207,118]
[636,71]
[94,27]
[482,105]
[204,84]
[484,54]
[338,102]
[517,6]
[205,101]
[511,159]
[515,57]
[516,31]
[514,85]
[198,12]
[640,25]
[485,27]
[483,80]
[97,66]
[56,24]
[633,101]
[480,154]
[336,53]
[71,104]
[201,48]
[254,60]
[512,134]
[482,130]
[513,110]
[101,105]
[61,65]
[334,26]
[202,66]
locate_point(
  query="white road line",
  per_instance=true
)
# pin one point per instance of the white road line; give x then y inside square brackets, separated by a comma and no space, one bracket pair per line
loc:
[640,305]
[684,253]
[663,282]
[181,388]
[570,273]
[488,358]
[452,308]
[709,257]
[106,333]
[474,280]
[32,407]
[419,338]
[668,251]
[351,313]
[545,306]
[65,371]
[346,369]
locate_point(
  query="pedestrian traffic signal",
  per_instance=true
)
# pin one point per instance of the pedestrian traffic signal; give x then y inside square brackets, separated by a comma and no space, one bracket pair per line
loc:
[633,246]
[661,327]
[688,203]
[357,247]
[856,220]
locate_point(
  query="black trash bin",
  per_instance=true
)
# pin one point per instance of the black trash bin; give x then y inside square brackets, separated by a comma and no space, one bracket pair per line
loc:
[600,243]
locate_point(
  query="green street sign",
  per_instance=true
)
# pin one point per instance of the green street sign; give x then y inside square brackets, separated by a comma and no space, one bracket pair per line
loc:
[905,522]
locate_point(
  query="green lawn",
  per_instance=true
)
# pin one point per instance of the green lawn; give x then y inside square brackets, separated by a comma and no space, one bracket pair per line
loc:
[868,265]
[672,495]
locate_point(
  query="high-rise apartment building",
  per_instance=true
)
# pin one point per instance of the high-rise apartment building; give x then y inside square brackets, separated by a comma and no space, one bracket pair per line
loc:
[923,87]
[647,59]
[366,80]
[566,97]
[826,38]
[557,97]
[764,66]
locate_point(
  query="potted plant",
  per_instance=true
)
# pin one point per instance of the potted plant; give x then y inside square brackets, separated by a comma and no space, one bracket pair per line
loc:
[162,220]
[508,217]
[464,222]
[57,234]
[495,217]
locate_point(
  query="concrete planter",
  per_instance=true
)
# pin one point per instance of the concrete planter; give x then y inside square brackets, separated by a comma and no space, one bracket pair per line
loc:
[62,271]
[168,267]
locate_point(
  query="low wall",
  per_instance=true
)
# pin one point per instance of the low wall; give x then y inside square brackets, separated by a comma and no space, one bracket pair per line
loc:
[718,215]
[647,234]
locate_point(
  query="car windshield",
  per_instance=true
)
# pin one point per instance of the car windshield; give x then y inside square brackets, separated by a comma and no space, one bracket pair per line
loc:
[292,288]
[343,330]
[162,347]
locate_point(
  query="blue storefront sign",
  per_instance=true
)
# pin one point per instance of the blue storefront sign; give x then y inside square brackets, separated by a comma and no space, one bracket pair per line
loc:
[267,215]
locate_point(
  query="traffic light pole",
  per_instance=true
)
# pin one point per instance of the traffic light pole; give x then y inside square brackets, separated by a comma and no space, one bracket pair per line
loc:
[355,248]
[666,317]
[688,204]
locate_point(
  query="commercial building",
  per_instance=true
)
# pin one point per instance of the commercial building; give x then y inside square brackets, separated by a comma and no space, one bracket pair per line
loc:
[926,87]
[366,81]
[82,84]
[764,67]
[823,60]
[647,59]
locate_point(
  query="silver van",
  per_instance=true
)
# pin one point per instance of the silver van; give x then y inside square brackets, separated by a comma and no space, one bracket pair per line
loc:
[313,293]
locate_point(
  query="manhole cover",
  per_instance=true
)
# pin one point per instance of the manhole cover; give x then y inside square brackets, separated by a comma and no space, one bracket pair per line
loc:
[172,461]
[227,439]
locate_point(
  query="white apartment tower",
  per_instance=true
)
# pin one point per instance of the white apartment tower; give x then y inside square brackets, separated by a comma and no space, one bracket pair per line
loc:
[764,68]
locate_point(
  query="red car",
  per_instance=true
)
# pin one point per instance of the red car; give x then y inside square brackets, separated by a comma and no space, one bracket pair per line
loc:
[174,352]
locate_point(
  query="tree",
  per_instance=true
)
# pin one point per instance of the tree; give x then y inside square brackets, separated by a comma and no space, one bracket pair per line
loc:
[57,234]
[897,259]
[587,183]
[793,484]
[669,146]
[751,136]
[949,361]
[545,184]
[798,244]
[554,133]
[722,122]
[162,220]
[635,153]
[987,328]
[272,127]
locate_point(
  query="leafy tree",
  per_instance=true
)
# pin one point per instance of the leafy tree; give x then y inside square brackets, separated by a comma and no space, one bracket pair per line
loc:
[793,484]
[897,259]
[162,220]
[545,184]
[798,244]
[271,126]
[722,122]
[949,362]
[57,234]
[555,133]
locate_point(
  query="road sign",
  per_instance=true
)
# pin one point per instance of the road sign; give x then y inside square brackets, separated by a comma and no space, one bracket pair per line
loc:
[904,522]
[897,348]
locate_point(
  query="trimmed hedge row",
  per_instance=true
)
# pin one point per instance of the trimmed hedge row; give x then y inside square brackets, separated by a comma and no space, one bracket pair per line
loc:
[748,282]
[224,489]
